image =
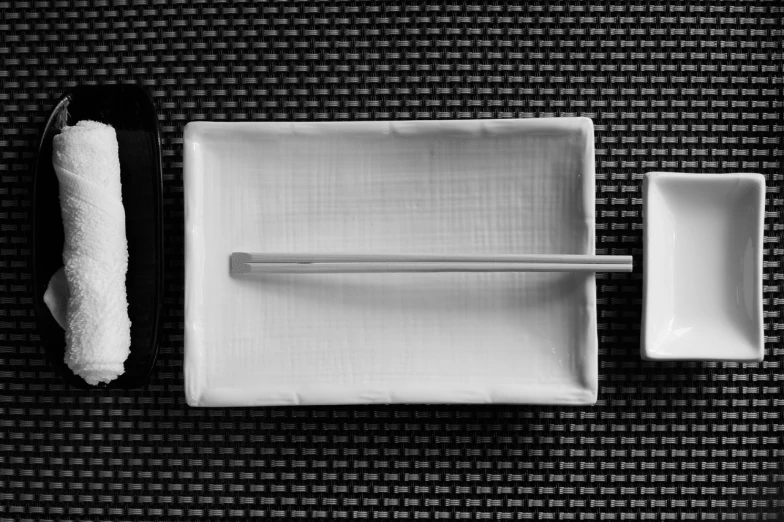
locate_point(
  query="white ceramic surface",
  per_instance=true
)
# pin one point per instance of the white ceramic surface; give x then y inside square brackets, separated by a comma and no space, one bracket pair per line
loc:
[703,267]
[485,187]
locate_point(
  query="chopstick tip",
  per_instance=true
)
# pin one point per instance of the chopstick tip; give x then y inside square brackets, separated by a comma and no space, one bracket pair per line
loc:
[239,263]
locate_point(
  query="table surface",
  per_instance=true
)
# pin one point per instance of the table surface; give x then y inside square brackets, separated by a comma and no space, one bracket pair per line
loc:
[693,88]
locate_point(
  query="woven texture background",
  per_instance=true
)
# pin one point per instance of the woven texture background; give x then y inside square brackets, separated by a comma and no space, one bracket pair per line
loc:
[693,88]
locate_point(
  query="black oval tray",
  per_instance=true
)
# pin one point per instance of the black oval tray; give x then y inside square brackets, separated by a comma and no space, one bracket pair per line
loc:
[130,110]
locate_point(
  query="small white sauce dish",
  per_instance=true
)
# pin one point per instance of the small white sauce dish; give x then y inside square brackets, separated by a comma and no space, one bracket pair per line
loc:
[703,267]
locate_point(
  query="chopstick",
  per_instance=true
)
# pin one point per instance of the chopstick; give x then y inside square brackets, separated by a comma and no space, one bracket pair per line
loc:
[283,263]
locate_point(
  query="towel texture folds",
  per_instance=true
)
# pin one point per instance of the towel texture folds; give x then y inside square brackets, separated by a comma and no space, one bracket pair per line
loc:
[95,254]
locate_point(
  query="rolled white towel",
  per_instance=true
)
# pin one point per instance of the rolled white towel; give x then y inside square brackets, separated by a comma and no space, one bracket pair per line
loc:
[98,332]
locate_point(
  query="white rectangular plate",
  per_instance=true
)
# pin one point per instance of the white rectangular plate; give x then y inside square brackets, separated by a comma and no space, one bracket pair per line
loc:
[703,267]
[469,187]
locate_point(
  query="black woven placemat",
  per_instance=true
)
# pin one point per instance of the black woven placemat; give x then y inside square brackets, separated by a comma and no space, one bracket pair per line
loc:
[694,88]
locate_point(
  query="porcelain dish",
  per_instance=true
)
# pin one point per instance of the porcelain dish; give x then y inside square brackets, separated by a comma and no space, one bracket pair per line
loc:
[703,267]
[472,187]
